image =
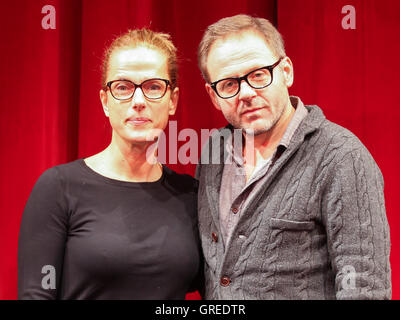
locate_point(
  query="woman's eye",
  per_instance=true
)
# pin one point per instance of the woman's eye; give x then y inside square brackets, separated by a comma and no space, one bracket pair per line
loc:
[155,87]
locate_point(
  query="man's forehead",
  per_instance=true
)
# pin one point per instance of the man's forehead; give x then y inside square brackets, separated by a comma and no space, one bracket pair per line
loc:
[238,52]
[247,36]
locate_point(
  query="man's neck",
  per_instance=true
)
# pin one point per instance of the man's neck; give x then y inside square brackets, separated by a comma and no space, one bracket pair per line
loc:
[261,147]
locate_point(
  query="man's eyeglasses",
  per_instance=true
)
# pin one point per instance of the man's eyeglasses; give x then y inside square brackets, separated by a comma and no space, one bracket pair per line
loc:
[151,88]
[257,79]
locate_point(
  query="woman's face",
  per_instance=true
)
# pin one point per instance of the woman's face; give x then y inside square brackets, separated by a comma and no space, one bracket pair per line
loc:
[138,119]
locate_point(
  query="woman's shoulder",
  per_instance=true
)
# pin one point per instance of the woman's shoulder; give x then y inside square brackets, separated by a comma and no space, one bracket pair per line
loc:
[65,168]
[61,172]
[51,184]
[181,182]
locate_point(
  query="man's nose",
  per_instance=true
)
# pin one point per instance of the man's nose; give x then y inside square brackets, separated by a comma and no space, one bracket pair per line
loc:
[138,99]
[246,91]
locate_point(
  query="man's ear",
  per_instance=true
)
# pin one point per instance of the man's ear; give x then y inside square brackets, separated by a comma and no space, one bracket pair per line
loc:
[288,72]
[103,99]
[173,103]
[213,96]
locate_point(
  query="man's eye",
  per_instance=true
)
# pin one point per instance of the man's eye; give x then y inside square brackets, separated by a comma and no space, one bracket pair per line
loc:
[229,84]
[258,75]
[122,88]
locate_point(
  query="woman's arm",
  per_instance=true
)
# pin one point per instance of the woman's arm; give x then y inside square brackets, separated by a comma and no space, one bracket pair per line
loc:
[42,239]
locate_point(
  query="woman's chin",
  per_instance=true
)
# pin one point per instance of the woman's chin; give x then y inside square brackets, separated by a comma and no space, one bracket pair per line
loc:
[146,136]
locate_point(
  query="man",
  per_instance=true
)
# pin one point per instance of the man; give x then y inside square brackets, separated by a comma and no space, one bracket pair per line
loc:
[294,206]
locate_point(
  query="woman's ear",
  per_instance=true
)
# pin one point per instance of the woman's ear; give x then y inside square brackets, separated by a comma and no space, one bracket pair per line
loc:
[173,104]
[103,99]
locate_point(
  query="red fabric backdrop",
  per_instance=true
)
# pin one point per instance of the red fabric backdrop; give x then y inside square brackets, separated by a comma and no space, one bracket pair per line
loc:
[49,83]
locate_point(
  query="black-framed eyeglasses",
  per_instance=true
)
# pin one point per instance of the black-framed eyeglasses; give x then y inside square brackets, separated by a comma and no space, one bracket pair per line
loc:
[257,79]
[151,88]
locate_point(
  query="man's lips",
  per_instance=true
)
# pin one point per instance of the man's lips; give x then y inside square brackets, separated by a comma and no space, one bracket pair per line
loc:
[249,111]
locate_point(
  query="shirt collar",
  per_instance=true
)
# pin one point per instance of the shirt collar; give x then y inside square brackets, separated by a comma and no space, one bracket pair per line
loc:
[299,114]
[235,149]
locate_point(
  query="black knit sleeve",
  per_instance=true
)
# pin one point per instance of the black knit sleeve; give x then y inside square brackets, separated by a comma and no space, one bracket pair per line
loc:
[42,238]
[199,282]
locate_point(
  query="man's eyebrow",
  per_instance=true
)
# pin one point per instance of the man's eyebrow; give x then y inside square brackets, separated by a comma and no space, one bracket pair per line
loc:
[241,75]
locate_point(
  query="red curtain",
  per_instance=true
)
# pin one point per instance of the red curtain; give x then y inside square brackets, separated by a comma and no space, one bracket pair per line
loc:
[50,81]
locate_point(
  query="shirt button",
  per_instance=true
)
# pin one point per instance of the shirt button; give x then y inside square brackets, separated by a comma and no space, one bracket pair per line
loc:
[225,281]
[214,237]
[235,210]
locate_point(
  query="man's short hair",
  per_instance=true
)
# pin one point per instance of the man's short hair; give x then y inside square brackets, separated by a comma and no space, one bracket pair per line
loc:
[233,25]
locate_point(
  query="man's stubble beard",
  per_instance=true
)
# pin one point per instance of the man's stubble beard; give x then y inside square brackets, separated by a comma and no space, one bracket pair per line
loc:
[270,123]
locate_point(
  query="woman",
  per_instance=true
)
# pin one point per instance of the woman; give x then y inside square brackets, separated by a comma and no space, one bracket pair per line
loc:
[117,225]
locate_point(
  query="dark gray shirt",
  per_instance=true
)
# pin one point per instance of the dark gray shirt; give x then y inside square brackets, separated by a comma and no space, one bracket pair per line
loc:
[236,193]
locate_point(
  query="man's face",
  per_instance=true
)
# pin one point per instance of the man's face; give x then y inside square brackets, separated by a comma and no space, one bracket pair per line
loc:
[254,110]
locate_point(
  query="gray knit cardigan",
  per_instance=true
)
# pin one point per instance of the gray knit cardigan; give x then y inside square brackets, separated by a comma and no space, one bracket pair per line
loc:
[317,230]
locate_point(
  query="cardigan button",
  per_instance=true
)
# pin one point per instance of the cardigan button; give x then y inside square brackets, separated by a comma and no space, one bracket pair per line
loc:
[214,237]
[235,210]
[225,281]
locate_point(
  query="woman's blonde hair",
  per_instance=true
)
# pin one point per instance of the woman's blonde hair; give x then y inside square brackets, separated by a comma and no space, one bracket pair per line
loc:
[148,38]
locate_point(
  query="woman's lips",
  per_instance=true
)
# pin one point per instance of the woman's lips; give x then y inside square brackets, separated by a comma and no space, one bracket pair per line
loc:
[138,121]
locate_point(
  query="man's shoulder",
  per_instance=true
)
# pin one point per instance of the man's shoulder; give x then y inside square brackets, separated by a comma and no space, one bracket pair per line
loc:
[335,138]
[336,133]
[212,149]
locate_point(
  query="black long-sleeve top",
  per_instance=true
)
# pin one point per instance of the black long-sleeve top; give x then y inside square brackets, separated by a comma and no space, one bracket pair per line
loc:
[86,236]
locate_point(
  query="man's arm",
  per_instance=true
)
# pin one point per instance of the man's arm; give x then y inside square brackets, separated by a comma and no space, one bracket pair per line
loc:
[353,211]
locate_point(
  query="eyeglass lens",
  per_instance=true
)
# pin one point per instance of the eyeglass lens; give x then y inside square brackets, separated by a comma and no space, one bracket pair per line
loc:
[152,89]
[257,79]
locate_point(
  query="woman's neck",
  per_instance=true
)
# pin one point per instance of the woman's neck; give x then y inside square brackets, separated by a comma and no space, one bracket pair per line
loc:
[134,162]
